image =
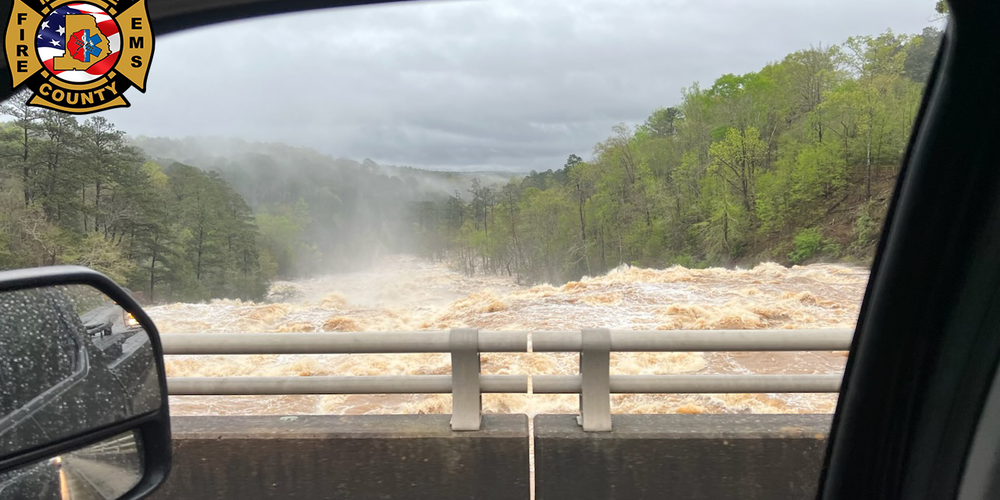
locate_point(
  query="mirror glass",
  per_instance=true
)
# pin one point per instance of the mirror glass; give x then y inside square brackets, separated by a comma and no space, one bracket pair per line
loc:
[71,361]
[102,471]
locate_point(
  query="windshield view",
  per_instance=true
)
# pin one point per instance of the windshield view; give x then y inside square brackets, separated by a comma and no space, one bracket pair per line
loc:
[507,166]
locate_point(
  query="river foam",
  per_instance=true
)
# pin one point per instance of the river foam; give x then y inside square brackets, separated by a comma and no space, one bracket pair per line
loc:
[407,293]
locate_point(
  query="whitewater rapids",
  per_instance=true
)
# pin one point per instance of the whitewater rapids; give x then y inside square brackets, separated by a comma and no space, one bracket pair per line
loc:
[408,293]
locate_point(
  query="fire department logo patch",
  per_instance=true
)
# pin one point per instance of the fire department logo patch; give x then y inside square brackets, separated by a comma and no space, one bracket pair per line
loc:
[79,57]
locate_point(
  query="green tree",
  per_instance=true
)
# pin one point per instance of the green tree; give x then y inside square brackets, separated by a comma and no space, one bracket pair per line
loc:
[738,159]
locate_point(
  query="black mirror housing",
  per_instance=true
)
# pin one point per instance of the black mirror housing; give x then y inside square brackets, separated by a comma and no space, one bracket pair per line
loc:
[107,330]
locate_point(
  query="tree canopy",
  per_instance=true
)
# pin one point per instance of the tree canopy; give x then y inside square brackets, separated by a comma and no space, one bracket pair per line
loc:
[77,193]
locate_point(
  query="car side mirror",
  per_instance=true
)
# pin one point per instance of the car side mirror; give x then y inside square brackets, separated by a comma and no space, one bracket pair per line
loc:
[83,394]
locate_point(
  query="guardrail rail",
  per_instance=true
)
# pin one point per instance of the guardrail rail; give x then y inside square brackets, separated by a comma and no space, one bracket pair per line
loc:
[594,383]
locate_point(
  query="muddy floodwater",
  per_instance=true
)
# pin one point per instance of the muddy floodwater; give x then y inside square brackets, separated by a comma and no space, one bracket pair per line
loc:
[408,293]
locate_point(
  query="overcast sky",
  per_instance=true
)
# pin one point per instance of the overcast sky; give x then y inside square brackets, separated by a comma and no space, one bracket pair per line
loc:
[475,84]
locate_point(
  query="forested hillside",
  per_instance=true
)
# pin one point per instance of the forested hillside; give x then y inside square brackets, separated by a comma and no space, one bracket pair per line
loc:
[74,192]
[791,163]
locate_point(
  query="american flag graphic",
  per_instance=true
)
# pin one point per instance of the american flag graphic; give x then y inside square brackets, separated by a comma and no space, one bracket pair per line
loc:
[53,38]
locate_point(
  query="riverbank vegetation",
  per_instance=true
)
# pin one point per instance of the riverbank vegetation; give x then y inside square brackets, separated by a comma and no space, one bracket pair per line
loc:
[792,163]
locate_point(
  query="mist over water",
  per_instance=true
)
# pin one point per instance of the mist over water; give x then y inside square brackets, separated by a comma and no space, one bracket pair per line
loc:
[408,293]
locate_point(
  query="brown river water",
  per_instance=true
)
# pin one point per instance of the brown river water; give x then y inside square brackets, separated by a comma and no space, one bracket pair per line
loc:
[408,293]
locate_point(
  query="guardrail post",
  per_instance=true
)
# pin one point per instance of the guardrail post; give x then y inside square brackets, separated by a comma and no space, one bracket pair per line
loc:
[466,397]
[595,375]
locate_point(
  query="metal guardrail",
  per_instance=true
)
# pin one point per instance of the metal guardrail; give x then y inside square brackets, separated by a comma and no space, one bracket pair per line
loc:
[594,384]
[335,343]
[405,384]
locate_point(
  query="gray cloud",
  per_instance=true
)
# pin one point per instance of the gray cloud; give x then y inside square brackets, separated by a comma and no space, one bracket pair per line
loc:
[463,85]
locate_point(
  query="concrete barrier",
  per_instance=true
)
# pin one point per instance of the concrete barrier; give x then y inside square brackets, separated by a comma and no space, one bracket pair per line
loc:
[744,457]
[408,457]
